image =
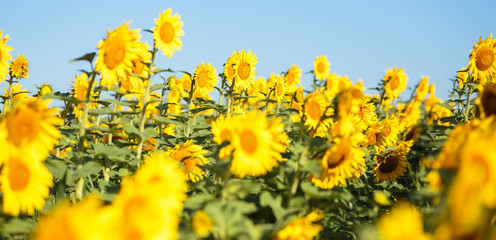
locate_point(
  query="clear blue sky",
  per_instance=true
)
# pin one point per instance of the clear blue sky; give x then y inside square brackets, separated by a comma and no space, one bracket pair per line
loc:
[361,39]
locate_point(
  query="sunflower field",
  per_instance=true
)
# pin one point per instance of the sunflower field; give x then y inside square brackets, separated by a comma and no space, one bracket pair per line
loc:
[136,150]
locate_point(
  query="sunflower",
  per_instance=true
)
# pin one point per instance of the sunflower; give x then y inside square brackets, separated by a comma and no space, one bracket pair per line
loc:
[116,55]
[280,88]
[409,115]
[167,31]
[482,59]
[394,163]
[404,222]
[25,181]
[365,114]
[303,228]
[191,155]
[19,67]
[245,72]
[44,89]
[4,56]
[202,224]
[253,154]
[31,126]
[321,67]
[258,90]
[422,89]
[79,90]
[486,100]
[133,83]
[394,82]
[342,161]
[17,95]
[84,220]
[205,80]
[231,66]
[293,78]
[462,76]
[223,131]
[315,106]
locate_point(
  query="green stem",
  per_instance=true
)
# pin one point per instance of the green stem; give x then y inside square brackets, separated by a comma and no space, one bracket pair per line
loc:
[146,97]
[187,131]
[467,106]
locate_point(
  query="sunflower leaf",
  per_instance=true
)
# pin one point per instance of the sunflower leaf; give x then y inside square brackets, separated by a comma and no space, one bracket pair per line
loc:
[87,57]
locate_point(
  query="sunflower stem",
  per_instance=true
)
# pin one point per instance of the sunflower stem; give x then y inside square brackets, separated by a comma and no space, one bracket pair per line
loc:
[467,106]
[190,117]
[146,97]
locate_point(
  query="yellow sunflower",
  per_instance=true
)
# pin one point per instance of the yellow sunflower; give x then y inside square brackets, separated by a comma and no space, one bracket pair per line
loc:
[167,31]
[4,56]
[19,67]
[293,78]
[482,59]
[116,55]
[133,83]
[303,228]
[25,181]
[257,90]
[223,131]
[202,224]
[342,161]
[462,76]
[205,80]
[321,67]
[409,115]
[365,114]
[31,126]
[394,82]
[422,89]
[79,90]
[253,154]
[231,67]
[44,89]
[394,163]
[315,106]
[486,100]
[17,95]
[404,221]
[280,88]
[87,219]
[191,155]
[245,72]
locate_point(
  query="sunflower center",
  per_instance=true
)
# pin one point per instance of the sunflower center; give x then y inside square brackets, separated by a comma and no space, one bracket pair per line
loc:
[248,141]
[290,79]
[187,85]
[279,91]
[314,110]
[320,67]
[24,126]
[167,32]
[244,70]
[231,71]
[114,54]
[202,79]
[18,175]
[394,82]
[181,155]
[484,59]
[334,161]
[225,135]
[138,65]
[133,208]
[389,164]
[488,101]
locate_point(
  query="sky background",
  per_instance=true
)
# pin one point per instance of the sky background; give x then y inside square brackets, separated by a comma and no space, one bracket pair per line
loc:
[361,39]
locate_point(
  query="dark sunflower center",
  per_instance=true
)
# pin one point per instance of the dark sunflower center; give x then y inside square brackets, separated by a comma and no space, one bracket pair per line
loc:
[333,162]
[389,164]
[488,101]
[484,59]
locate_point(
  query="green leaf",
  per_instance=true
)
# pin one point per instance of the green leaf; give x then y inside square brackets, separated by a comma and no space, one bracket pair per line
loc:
[157,86]
[198,201]
[149,132]
[17,226]
[131,130]
[275,203]
[87,57]
[314,192]
[162,119]
[89,168]
[56,167]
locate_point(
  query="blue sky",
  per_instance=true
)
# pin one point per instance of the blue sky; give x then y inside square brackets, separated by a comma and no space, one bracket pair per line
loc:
[361,39]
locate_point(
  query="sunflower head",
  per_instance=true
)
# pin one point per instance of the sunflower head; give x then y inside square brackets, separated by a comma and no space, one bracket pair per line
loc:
[245,70]
[394,82]
[301,227]
[202,224]
[422,89]
[486,101]
[44,89]
[231,66]
[292,78]
[321,67]
[19,67]
[394,162]
[4,56]
[167,31]
[483,59]
[205,80]
[408,222]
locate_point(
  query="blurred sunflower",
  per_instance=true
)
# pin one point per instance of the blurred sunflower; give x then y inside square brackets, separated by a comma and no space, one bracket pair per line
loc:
[44,89]
[19,67]
[32,127]
[133,83]
[4,56]
[408,116]
[191,155]
[365,114]
[116,54]
[25,181]
[79,90]
[422,89]
[302,228]
[84,220]
[258,90]
[293,78]
[202,224]
[343,161]
[16,95]
[245,71]
[167,31]
[394,82]
[253,154]
[407,221]
[280,88]
[230,67]
[482,59]
[315,106]
[486,100]
[205,80]
[462,76]
[394,163]
[321,67]
[223,131]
